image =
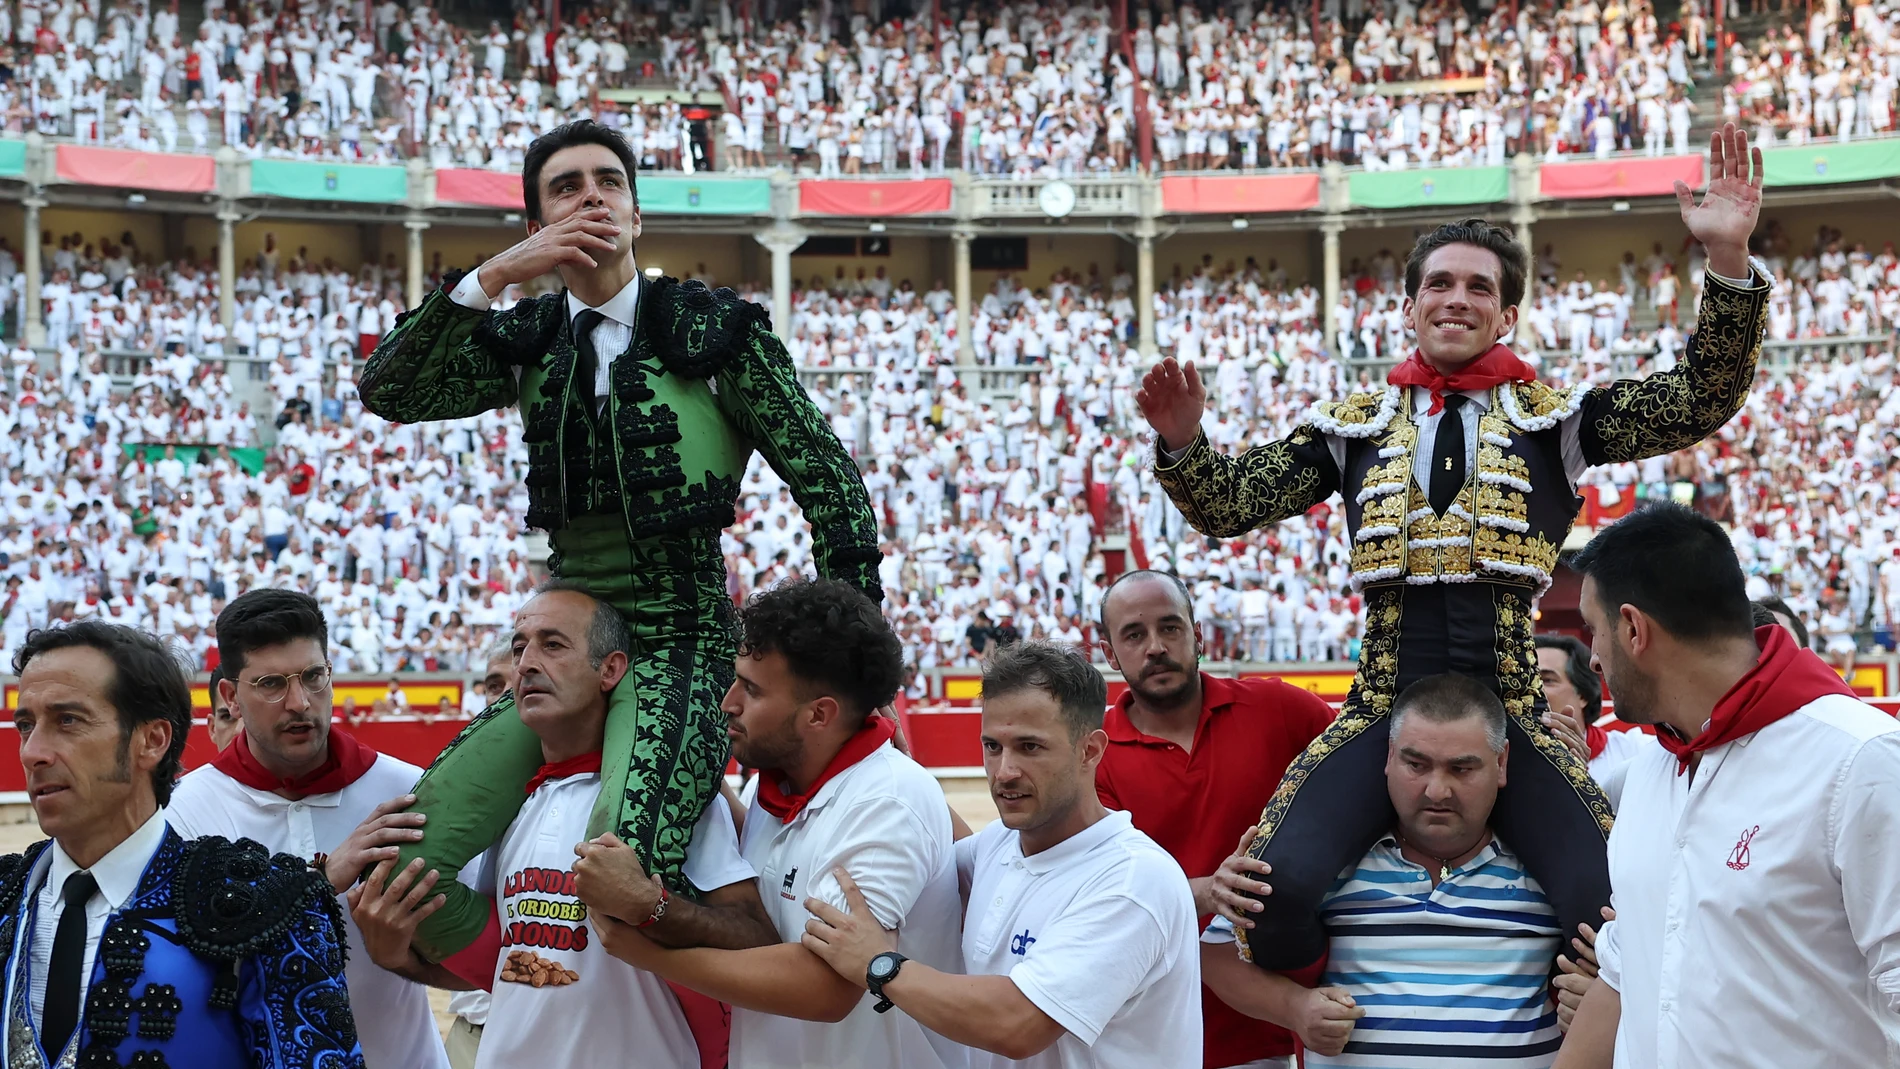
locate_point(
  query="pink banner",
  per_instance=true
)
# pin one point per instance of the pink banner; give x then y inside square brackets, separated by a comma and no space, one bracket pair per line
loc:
[153,171]
[874,198]
[488,189]
[1240,194]
[1628,177]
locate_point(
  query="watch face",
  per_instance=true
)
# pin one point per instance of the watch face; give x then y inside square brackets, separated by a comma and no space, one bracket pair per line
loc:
[883,966]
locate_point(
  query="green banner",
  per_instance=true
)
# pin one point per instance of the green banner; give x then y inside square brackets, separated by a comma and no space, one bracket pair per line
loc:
[12,159]
[251,460]
[363,183]
[1429,186]
[1827,164]
[692,195]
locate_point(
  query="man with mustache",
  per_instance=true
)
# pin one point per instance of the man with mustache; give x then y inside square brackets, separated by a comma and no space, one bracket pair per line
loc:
[295,783]
[1441,944]
[1459,486]
[1193,758]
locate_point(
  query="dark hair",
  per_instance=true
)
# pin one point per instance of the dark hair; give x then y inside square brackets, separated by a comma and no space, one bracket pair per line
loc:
[1772,606]
[1448,698]
[1675,565]
[264,617]
[832,637]
[606,632]
[1187,599]
[1498,239]
[1058,671]
[567,135]
[218,675]
[148,683]
[1583,678]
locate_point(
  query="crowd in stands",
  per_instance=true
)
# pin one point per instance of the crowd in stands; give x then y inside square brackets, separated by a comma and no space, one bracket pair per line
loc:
[996,506]
[1835,82]
[1012,90]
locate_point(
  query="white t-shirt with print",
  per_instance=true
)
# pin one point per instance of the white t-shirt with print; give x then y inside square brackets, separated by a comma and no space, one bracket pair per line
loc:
[612,1008]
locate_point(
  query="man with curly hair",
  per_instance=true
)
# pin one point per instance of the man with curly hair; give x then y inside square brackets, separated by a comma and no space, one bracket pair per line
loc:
[836,803]
[125,943]
[642,401]
[1460,485]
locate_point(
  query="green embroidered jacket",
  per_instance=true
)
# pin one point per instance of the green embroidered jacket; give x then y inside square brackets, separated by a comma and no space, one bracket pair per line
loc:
[703,384]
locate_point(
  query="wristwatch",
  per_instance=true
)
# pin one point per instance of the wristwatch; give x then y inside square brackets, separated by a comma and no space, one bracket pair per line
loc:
[883,970]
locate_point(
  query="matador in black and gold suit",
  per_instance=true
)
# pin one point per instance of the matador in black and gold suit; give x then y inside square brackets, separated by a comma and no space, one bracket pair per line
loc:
[1454,592]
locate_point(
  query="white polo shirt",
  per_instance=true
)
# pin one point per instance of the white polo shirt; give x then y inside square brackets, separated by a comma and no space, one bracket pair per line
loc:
[611,1006]
[393,1020]
[1758,907]
[884,820]
[1099,932]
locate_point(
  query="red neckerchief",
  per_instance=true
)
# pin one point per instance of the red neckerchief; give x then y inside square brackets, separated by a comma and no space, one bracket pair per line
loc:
[1786,678]
[1597,739]
[1497,366]
[343,765]
[573,766]
[876,732]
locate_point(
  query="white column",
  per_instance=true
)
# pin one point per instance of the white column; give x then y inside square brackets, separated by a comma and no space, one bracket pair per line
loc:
[1329,229]
[33,327]
[413,260]
[966,345]
[781,241]
[1145,285]
[227,264]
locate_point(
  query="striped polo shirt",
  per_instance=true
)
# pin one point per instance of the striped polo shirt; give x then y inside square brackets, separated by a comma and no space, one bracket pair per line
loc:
[1453,975]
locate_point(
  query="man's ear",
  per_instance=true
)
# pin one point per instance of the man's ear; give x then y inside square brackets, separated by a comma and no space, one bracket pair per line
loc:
[1508,322]
[612,670]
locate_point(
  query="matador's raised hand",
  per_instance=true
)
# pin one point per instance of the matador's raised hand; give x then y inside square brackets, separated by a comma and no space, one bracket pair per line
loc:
[1730,206]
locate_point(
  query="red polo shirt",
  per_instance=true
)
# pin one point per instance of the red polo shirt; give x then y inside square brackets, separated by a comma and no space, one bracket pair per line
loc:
[1197,804]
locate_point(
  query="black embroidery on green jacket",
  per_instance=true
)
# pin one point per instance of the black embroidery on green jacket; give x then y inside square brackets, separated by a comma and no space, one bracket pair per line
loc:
[706,328]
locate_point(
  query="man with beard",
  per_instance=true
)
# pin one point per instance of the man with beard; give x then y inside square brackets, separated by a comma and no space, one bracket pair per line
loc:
[1459,482]
[1757,887]
[816,661]
[1441,944]
[1193,759]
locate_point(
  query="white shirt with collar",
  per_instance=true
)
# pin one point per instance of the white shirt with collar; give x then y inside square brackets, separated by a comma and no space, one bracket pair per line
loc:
[1758,900]
[1099,933]
[401,1031]
[611,336]
[118,874]
[882,820]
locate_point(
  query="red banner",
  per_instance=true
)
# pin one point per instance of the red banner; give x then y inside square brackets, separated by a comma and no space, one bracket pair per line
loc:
[1632,177]
[153,171]
[1240,194]
[874,198]
[489,189]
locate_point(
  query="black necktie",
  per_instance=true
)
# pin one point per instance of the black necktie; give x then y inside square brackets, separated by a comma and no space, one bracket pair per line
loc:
[586,360]
[1448,454]
[60,1015]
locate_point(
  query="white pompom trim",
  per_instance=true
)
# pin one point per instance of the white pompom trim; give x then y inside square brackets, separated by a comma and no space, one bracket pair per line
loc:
[1496,439]
[1507,399]
[1388,406]
[1383,530]
[1367,493]
[1504,523]
[1500,478]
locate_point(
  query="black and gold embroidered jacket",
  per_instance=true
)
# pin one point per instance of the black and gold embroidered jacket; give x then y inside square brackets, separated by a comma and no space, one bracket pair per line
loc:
[703,383]
[225,957]
[1506,527]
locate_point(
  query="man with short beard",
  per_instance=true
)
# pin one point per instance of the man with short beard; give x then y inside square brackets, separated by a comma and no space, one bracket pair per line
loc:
[1757,884]
[1193,758]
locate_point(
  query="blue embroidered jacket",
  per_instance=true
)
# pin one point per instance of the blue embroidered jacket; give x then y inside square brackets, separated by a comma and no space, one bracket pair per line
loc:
[226,957]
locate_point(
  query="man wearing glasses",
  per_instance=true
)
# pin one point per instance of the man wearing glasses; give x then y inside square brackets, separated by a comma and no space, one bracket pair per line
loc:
[292,782]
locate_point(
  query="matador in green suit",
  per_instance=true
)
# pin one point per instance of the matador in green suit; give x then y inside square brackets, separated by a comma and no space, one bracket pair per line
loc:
[642,401]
